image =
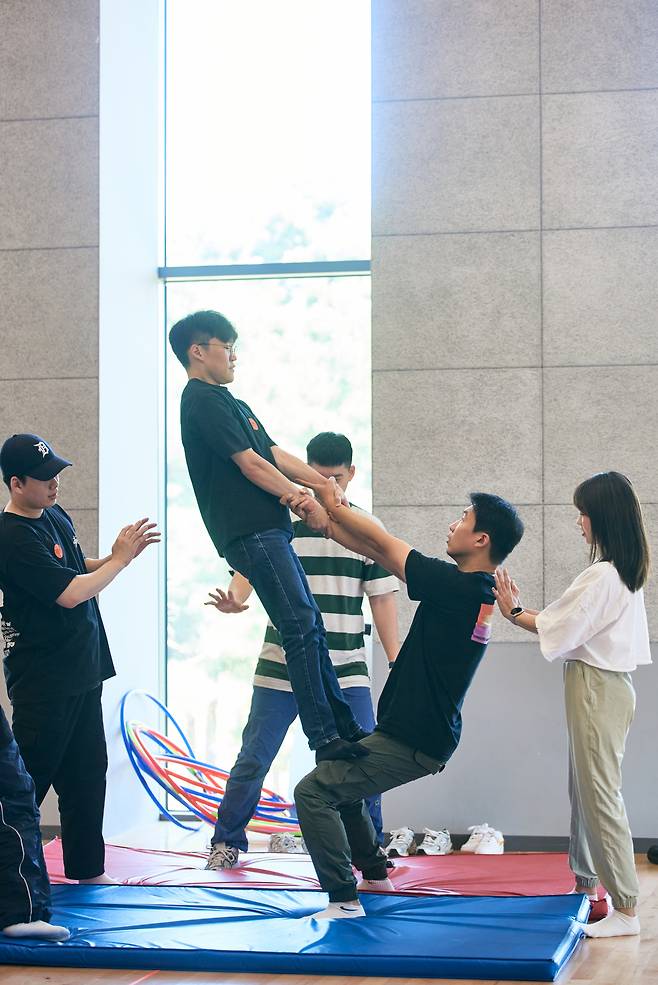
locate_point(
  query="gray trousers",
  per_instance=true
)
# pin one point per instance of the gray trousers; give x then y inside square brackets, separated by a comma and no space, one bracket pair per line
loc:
[334,820]
[600,705]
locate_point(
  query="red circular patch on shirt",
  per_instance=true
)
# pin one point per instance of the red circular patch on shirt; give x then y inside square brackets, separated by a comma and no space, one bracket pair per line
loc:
[58,552]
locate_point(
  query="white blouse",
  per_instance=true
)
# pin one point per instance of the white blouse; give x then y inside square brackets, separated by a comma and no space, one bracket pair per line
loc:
[598,620]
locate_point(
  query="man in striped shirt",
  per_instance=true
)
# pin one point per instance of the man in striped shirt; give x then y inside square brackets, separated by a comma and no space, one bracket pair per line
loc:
[339,578]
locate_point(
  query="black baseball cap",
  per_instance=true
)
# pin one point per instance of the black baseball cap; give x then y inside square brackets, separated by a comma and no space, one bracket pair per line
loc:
[28,454]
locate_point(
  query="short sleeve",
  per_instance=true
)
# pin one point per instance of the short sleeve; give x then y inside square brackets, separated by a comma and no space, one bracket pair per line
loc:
[593,601]
[429,579]
[378,581]
[31,567]
[218,427]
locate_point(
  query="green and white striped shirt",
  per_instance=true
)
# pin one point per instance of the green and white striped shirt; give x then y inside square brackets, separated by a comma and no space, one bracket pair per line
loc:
[338,579]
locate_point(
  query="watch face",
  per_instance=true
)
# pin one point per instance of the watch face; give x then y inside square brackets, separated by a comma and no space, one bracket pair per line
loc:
[517,610]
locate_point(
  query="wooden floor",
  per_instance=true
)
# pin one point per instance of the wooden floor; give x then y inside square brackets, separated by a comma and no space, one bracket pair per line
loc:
[629,961]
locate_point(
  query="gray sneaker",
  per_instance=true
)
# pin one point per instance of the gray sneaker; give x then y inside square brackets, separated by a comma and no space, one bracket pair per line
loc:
[287,843]
[222,857]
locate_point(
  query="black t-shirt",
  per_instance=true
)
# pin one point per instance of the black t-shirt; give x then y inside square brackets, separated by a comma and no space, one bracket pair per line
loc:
[50,651]
[421,702]
[214,426]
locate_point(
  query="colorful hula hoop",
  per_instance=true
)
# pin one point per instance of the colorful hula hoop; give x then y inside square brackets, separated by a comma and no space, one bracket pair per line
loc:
[198,786]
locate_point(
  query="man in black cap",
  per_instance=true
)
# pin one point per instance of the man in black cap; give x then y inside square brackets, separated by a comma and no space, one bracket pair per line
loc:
[56,650]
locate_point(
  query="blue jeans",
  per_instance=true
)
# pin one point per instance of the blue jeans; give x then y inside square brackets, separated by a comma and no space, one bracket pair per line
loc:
[271,715]
[24,886]
[268,561]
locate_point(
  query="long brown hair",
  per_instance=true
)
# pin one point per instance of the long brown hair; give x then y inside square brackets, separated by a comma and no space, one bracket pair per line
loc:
[618,533]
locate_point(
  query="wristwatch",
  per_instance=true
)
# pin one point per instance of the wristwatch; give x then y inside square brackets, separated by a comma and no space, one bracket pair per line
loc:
[516,611]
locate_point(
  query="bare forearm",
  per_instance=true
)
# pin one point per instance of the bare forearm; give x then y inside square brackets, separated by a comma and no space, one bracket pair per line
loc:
[295,469]
[527,620]
[354,540]
[240,588]
[263,474]
[84,587]
[94,563]
[362,534]
[385,617]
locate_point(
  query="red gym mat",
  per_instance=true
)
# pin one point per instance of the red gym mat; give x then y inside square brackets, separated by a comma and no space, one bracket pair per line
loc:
[522,874]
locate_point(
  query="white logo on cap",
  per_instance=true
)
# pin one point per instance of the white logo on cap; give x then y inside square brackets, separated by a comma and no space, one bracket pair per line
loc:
[42,448]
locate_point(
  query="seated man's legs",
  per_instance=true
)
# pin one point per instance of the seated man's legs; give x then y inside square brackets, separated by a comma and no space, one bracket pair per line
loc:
[336,830]
[360,701]
[271,715]
[24,886]
[268,561]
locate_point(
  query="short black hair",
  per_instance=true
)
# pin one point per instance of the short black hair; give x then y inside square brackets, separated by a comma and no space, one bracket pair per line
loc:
[329,449]
[199,327]
[499,519]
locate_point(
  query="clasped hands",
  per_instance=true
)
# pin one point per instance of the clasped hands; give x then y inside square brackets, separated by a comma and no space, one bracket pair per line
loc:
[313,510]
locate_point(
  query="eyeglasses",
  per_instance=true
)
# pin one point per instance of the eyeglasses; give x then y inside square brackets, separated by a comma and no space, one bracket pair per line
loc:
[231,349]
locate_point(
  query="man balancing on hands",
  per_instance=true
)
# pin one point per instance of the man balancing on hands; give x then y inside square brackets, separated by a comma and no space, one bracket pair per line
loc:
[239,474]
[419,712]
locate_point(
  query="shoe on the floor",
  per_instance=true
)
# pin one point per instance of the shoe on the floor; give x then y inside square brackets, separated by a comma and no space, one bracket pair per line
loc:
[222,856]
[491,843]
[401,844]
[478,831]
[287,843]
[435,843]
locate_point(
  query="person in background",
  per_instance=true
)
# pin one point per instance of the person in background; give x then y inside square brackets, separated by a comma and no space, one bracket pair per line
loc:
[56,654]
[598,628]
[338,578]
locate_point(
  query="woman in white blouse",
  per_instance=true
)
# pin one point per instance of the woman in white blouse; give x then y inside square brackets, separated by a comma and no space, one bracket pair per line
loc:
[599,628]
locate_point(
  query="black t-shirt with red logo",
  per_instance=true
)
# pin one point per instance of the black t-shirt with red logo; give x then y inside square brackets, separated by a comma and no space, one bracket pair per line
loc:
[214,426]
[49,651]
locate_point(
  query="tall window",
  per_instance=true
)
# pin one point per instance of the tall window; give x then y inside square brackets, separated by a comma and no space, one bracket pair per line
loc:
[267,221]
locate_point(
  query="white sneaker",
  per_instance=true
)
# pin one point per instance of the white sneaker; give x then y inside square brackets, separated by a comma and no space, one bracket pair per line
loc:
[435,843]
[287,843]
[478,832]
[491,843]
[401,844]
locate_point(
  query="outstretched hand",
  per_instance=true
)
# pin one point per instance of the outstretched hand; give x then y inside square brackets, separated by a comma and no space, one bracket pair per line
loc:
[133,539]
[506,592]
[226,602]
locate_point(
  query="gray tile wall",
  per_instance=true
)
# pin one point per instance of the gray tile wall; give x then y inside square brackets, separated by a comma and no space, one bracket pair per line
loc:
[515,249]
[515,222]
[49,91]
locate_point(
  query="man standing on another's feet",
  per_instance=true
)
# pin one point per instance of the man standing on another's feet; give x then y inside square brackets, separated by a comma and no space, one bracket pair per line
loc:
[239,474]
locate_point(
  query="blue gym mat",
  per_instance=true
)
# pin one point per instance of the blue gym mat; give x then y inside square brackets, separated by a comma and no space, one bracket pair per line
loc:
[192,928]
